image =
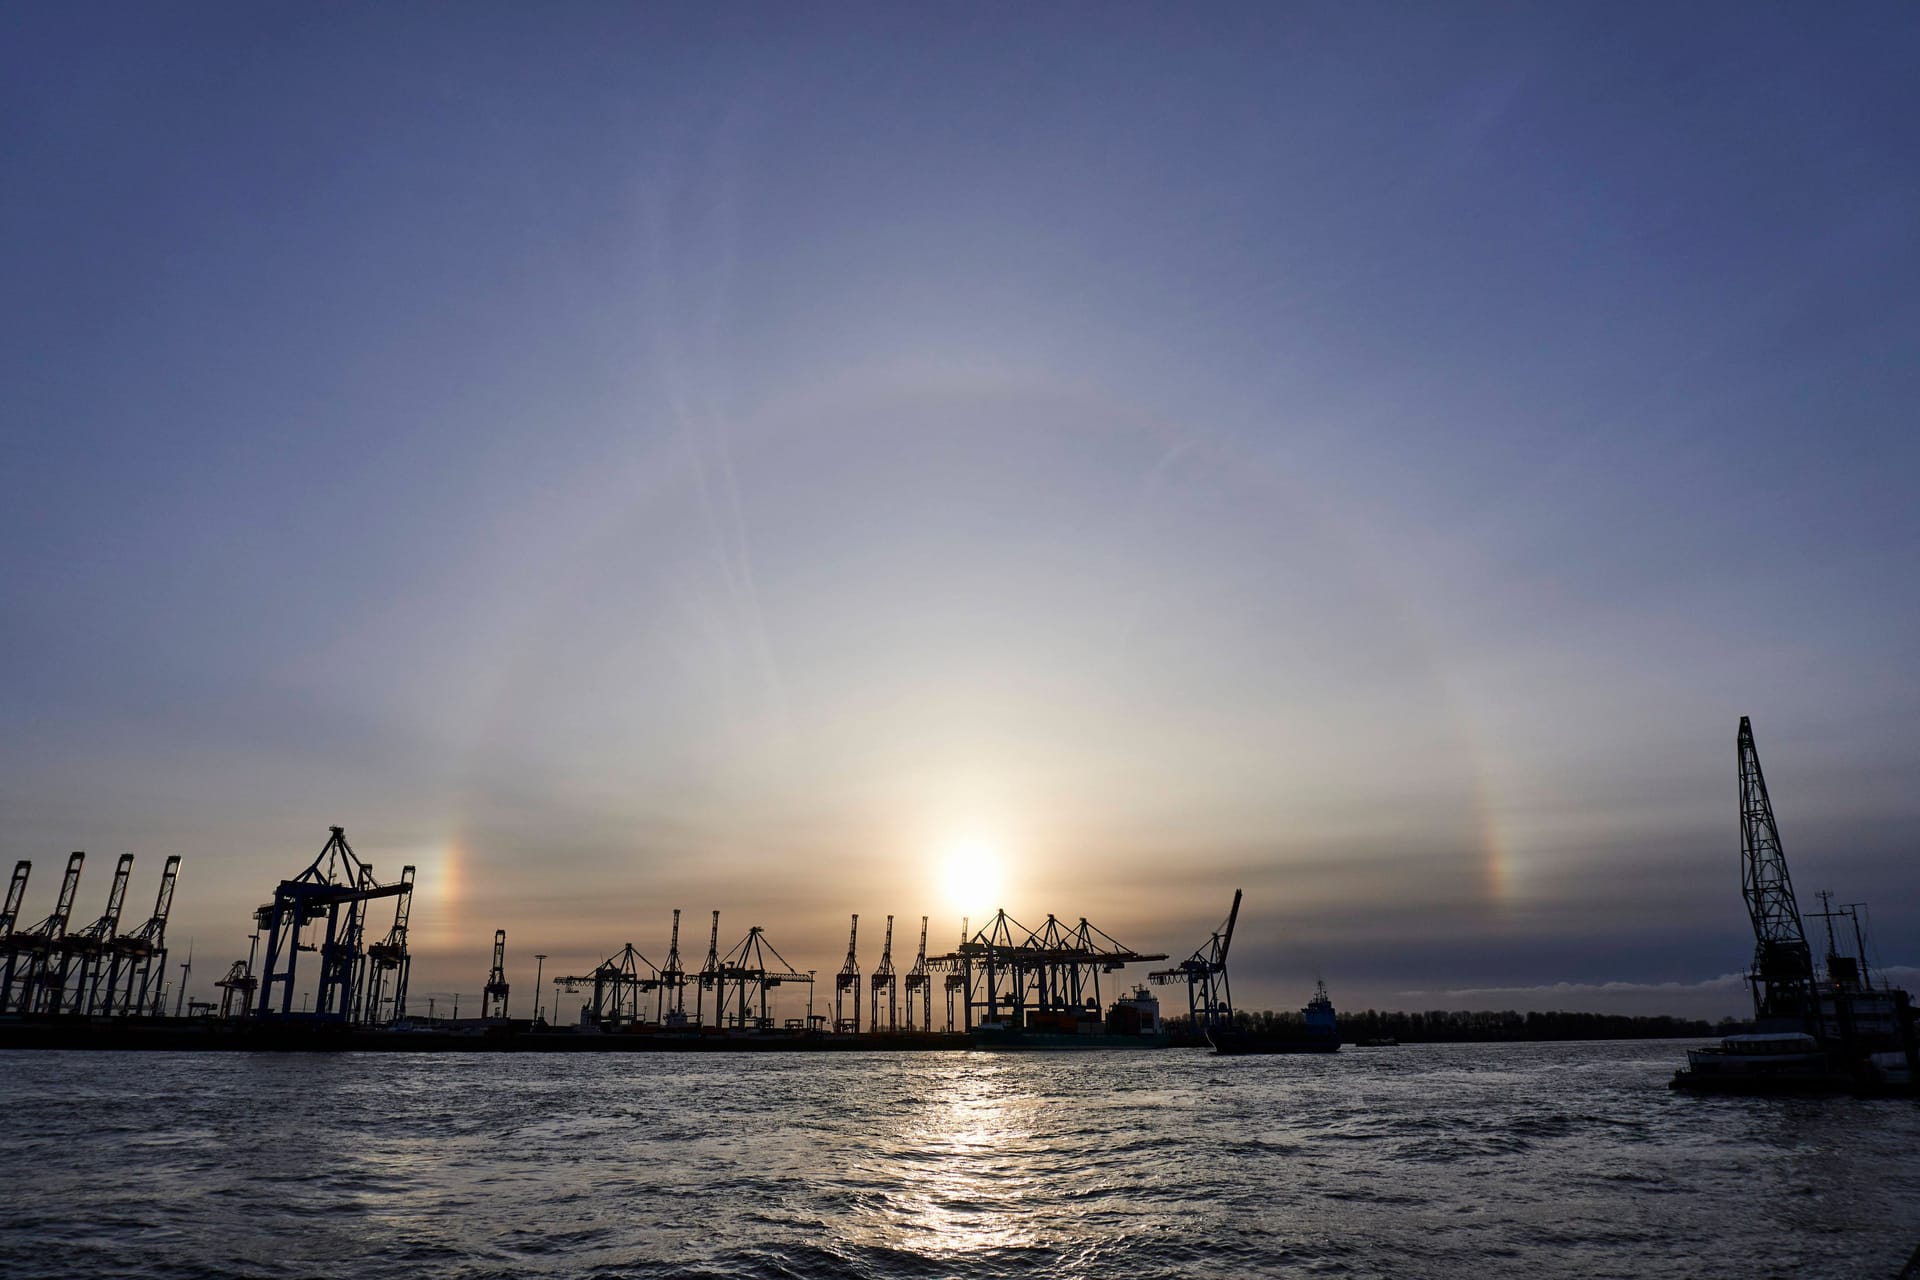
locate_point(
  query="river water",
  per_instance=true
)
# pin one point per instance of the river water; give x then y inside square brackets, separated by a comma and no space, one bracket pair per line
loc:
[1470,1161]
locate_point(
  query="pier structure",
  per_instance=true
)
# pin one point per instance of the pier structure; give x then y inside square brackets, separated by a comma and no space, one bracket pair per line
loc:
[1037,979]
[1209,998]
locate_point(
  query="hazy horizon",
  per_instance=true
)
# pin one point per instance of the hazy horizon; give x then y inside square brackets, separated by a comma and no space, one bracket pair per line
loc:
[803,462]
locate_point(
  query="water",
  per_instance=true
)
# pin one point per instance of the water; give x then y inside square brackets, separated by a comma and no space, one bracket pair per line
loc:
[1474,1160]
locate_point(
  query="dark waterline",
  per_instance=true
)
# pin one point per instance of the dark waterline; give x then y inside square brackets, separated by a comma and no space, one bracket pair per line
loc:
[1462,1160]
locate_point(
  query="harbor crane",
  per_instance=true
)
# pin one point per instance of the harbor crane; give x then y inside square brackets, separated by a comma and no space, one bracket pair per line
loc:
[389,960]
[336,888]
[848,979]
[493,996]
[883,980]
[751,978]
[709,977]
[140,957]
[920,980]
[672,1011]
[37,945]
[1782,974]
[236,990]
[1209,1000]
[956,982]
[618,982]
[1026,977]
[9,917]
[76,988]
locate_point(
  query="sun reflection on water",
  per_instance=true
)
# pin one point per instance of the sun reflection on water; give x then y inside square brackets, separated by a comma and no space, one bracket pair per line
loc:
[958,1177]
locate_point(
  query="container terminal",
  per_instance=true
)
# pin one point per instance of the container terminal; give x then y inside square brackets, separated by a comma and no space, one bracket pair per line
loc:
[323,974]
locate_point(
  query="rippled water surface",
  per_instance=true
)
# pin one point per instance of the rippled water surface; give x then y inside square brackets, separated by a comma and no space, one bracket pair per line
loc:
[1530,1160]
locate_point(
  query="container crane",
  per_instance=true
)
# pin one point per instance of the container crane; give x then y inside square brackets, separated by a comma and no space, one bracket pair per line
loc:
[40,942]
[140,957]
[709,978]
[883,980]
[848,979]
[920,979]
[672,1010]
[337,888]
[10,916]
[1209,1001]
[81,952]
[493,996]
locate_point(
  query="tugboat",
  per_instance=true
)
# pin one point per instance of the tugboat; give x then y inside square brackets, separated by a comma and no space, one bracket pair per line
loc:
[1319,1033]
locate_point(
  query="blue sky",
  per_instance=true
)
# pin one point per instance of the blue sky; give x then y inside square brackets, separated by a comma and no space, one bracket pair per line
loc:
[630,457]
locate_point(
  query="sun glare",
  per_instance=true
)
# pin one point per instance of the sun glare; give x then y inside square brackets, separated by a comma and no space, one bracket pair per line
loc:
[970,874]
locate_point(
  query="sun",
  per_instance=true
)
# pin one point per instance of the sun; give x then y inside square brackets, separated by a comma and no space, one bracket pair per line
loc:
[970,875]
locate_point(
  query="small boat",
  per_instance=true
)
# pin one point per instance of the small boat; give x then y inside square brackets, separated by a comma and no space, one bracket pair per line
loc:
[1766,1062]
[1319,1032]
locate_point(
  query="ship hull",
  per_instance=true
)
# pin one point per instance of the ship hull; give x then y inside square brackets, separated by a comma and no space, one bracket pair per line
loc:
[1238,1043]
[1050,1041]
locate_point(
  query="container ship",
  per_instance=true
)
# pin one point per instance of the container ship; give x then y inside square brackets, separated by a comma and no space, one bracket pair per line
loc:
[1132,1022]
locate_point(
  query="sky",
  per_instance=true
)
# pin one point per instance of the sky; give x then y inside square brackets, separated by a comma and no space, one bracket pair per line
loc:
[804,460]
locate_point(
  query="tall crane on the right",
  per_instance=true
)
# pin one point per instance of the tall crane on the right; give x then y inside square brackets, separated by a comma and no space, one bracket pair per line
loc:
[1782,976]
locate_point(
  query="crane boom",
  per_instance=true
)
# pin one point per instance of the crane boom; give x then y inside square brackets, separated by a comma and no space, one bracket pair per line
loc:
[1782,974]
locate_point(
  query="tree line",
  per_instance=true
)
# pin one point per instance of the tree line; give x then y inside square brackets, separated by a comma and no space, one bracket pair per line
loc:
[1441,1026]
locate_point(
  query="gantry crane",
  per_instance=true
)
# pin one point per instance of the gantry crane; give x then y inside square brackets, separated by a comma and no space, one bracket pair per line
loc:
[848,979]
[236,990]
[140,957]
[1209,999]
[672,1007]
[618,982]
[38,944]
[956,983]
[9,918]
[709,978]
[336,888]
[76,990]
[746,972]
[1024,977]
[389,959]
[493,996]
[920,979]
[883,980]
